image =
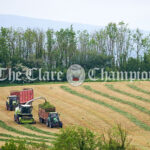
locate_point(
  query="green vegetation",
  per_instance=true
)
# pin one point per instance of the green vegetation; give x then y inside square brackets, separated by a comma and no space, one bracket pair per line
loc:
[25,48]
[136,106]
[111,87]
[12,144]
[47,106]
[31,127]
[124,113]
[76,138]
[17,137]
[9,128]
[138,89]
[79,138]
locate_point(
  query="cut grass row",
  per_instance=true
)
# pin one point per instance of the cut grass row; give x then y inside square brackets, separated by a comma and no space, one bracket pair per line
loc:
[134,105]
[31,127]
[17,137]
[111,87]
[11,129]
[129,116]
[138,89]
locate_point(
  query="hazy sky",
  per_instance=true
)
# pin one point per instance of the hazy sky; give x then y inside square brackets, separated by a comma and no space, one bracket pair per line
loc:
[97,12]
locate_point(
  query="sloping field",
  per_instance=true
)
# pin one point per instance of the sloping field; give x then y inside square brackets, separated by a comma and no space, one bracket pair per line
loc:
[97,106]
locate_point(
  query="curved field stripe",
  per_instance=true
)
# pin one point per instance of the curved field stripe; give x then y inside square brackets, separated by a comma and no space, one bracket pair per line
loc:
[138,89]
[124,113]
[17,137]
[134,105]
[31,127]
[26,142]
[111,87]
[9,128]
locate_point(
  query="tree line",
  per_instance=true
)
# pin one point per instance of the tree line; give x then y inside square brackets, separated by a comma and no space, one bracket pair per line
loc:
[114,47]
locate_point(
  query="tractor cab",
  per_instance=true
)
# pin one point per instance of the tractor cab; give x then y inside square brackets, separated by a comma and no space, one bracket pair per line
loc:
[12,102]
[53,120]
[54,116]
[25,109]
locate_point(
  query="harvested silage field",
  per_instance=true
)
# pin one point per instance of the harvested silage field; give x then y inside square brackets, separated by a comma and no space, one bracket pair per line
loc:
[96,105]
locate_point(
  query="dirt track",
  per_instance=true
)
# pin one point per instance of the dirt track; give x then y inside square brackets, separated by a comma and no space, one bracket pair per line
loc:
[78,111]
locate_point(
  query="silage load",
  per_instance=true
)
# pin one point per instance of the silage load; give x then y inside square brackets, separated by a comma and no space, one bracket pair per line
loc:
[47,107]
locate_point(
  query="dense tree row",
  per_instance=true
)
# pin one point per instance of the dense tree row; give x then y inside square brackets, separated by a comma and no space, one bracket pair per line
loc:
[113,47]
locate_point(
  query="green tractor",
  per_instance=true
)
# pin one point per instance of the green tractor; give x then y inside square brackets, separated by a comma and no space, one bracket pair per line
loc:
[53,120]
[12,102]
[23,114]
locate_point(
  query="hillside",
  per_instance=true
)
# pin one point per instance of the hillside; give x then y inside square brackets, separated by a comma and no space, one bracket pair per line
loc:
[97,106]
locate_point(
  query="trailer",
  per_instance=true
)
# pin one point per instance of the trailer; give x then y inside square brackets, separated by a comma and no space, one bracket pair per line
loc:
[43,114]
[19,97]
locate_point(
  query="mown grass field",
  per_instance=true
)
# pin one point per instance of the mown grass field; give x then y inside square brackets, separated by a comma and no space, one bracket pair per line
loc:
[97,106]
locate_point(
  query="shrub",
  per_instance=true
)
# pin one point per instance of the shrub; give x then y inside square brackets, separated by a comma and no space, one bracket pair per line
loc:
[116,139]
[23,145]
[11,145]
[75,138]
[79,138]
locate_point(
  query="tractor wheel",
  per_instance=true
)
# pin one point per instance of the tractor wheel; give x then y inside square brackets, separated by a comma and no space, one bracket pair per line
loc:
[14,119]
[47,123]
[34,122]
[50,125]
[41,120]
[60,124]
[18,120]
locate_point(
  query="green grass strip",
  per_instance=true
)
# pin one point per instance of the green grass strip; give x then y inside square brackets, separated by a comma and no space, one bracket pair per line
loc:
[124,113]
[26,142]
[17,137]
[138,89]
[111,87]
[134,105]
[31,127]
[9,128]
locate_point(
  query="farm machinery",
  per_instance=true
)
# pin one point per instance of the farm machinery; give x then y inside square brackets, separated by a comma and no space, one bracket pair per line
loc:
[23,113]
[53,120]
[12,102]
[18,97]
[48,115]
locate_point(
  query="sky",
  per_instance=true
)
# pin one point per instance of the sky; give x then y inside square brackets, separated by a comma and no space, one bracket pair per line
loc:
[95,12]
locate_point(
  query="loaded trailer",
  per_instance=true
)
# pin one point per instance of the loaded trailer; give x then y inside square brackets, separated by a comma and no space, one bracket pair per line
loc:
[18,98]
